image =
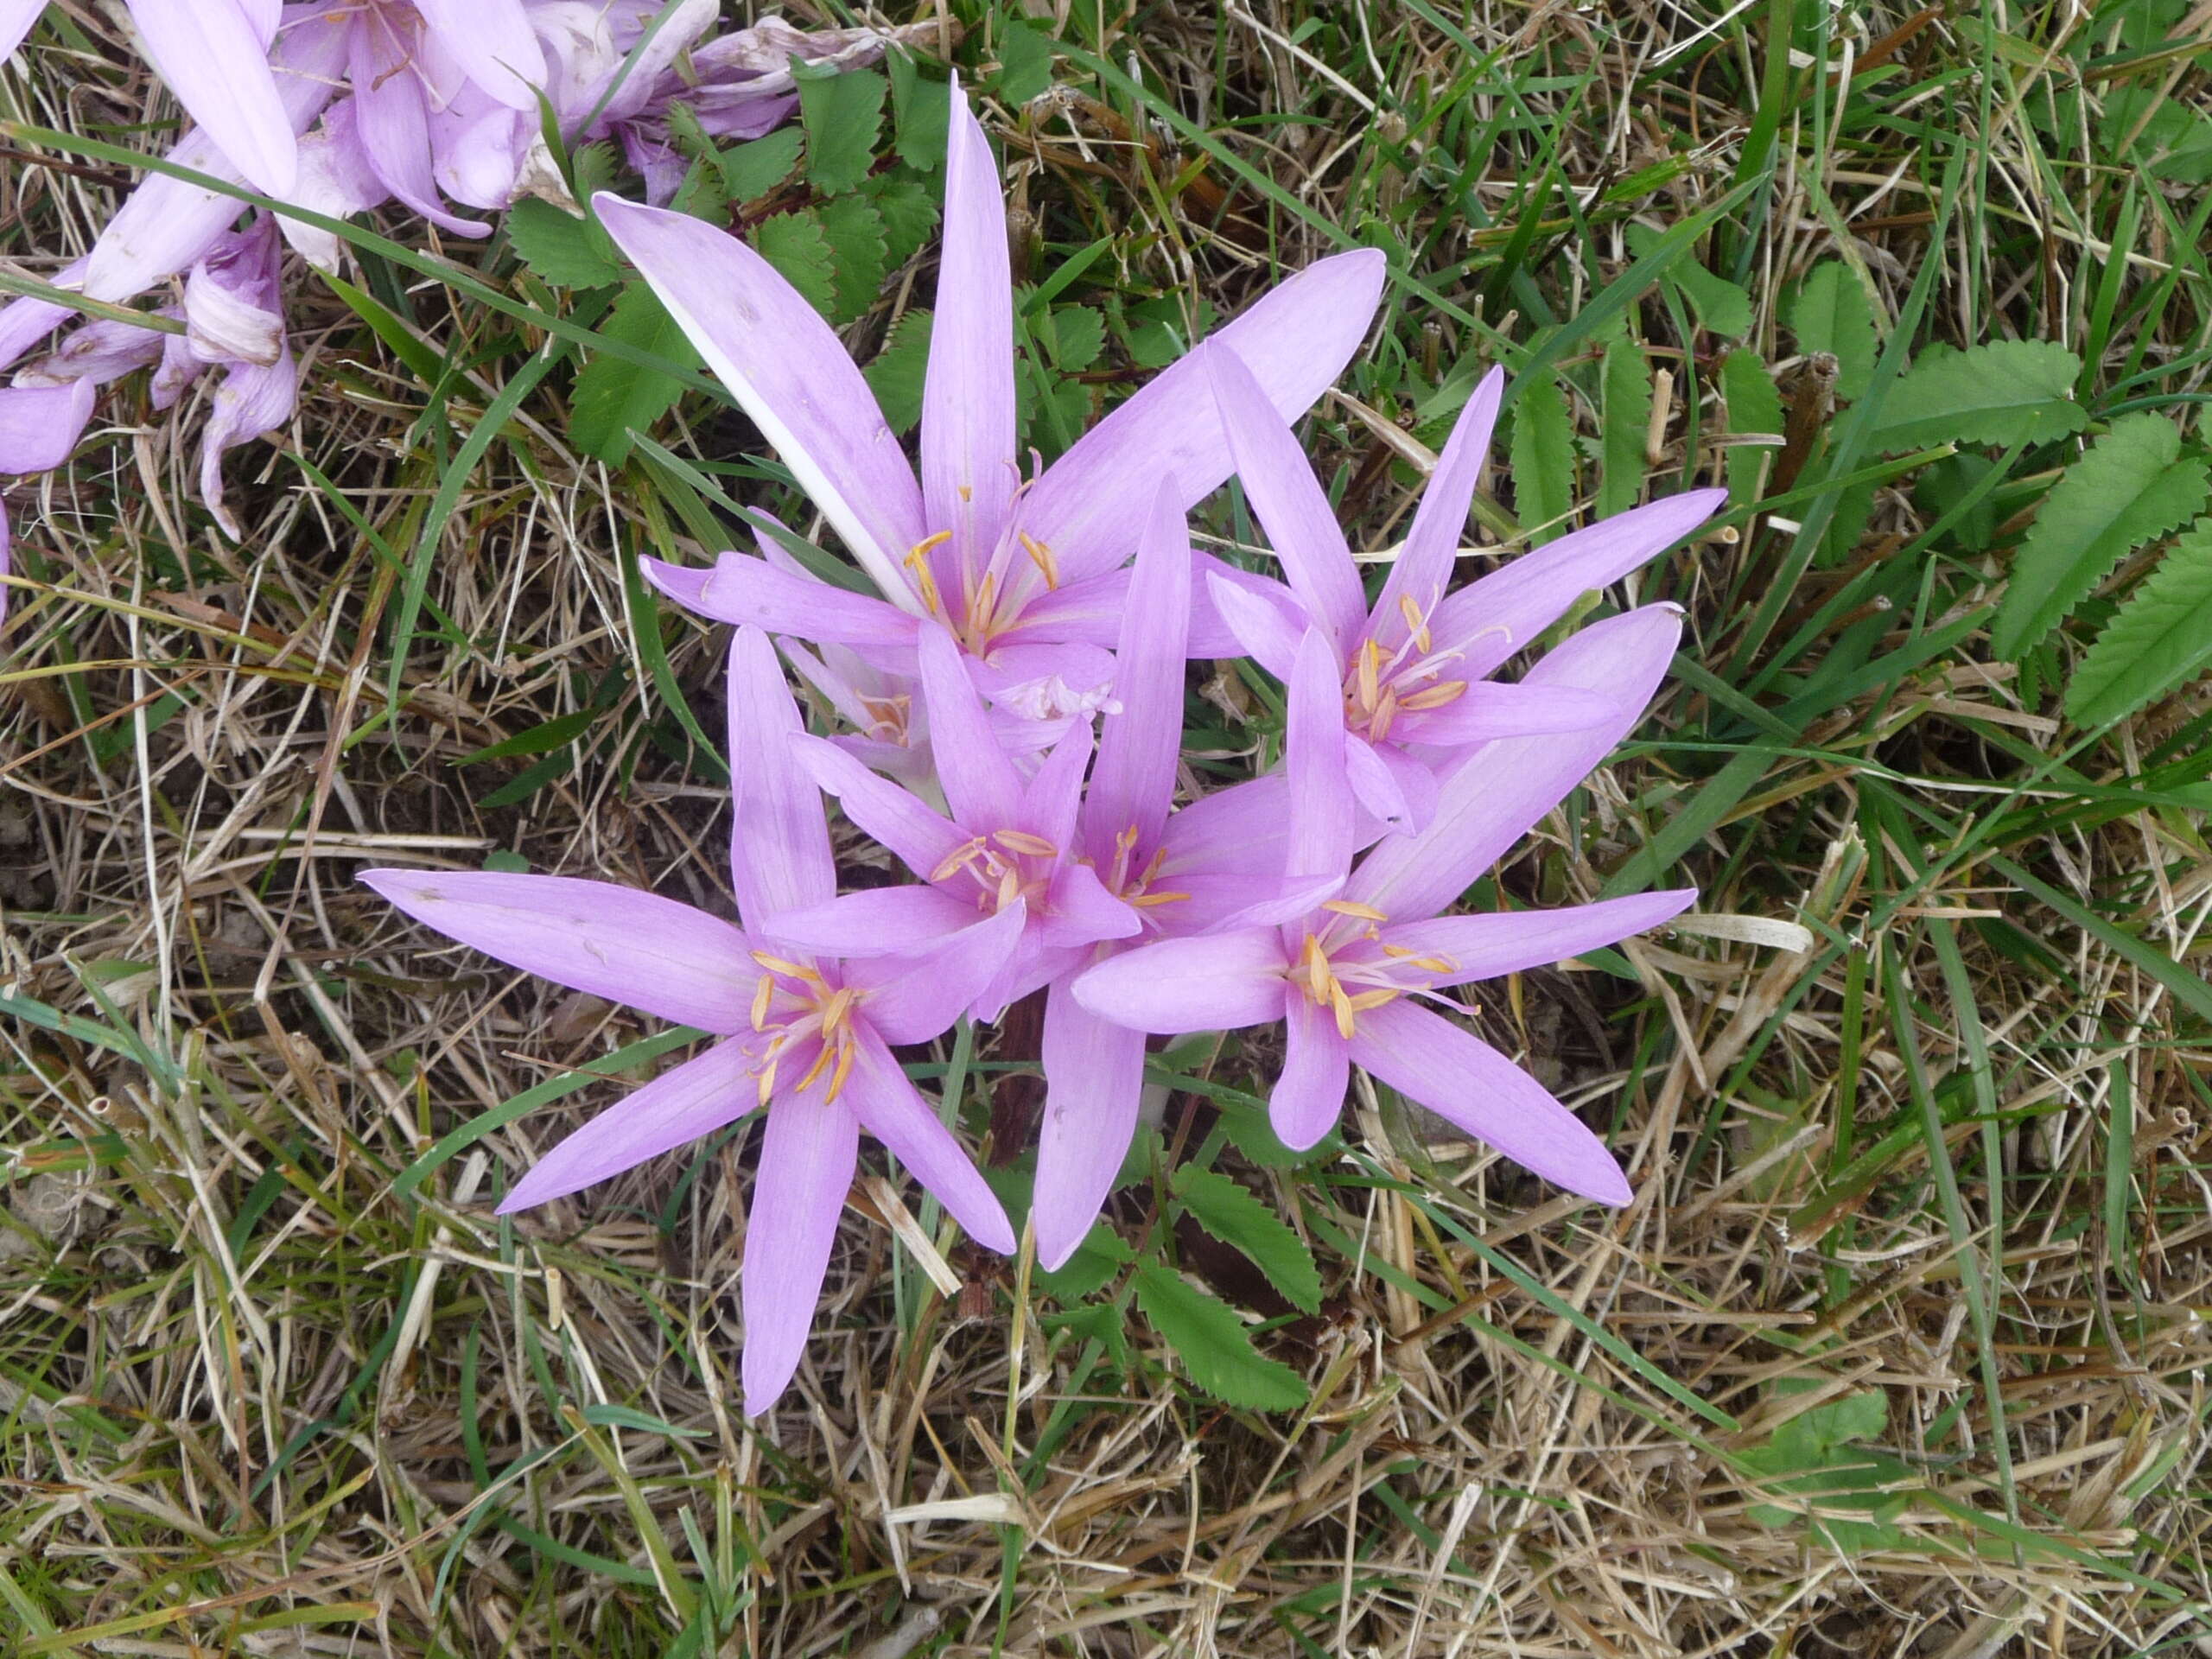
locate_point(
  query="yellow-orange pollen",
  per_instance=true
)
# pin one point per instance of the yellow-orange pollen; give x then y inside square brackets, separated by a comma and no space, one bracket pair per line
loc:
[989,602]
[1338,974]
[996,864]
[1379,686]
[1132,885]
[791,1004]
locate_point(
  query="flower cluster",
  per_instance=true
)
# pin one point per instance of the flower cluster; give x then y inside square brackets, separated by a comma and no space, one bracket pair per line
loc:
[1015,700]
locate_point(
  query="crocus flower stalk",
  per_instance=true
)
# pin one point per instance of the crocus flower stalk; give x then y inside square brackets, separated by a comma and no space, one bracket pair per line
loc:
[806,1037]
[1025,575]
[1412,670]
[1347,976]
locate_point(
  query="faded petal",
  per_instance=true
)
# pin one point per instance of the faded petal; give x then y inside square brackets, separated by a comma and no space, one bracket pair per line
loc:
[335,180]
[1316,1070]
[492,41]
[807,1156]
[1094,1085]
[1220,982]
[211,55]
[251,402]
[890,1109]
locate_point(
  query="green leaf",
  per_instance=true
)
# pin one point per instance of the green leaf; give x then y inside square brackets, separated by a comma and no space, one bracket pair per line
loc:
[614,397]
[842,114]
[1102,1322]
[1025,62]
[854,231]
[1721,305]
[2161,640]
[796,245]
[2008,392]
[1830,312]
[908,212]
[1240,1220]
[1100,1255]
[1076,337]
[1627,386]
[2131,486]
[922,108]
[1211,1342]
[896,373]
[1754,406]
[557,732]
[751,171]
[1543,461]
[564,249]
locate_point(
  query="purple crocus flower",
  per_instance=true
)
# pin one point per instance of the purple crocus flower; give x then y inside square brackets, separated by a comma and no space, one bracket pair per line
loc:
[1025,575]
[1412,671]
[1346,975]
[807,1037]
[39,426]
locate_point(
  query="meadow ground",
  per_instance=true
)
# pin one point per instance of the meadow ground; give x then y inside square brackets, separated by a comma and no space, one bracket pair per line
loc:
[1900,1347]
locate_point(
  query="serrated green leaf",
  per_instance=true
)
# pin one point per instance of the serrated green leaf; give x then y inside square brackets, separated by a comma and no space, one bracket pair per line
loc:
[1721,306]
[595,167]
[559,247]
[2008,392]
[614,397]
[908,212]
[2132,485]
[796,245]
[1543,461]
[1102,1322]
[750,171]
[1212,1344]
[897,372]
[922,108]
[1077,335]
[1830,312]
[1241,1220]
[1627,385]
[854,231]
[1025,62]
[1100,1255]
[1754,406]
[2161,640]
[842,114]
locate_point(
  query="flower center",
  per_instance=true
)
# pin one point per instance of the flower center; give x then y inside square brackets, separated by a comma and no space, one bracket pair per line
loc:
[988,603]
[1003,866]
[1349,975]
[792,1006]
[1132,885]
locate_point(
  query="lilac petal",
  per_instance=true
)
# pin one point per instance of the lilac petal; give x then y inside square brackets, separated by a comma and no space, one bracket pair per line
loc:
[1259,630]
[1379,787]
[1295,340]
[681,1105]
[208,53]
[1210,634]
[921,839]
[807,1157]
[335,180]
[1486,946]
[630,947]
[968,465]
[1287,500]
[911,999]
[873,922]
[1503,612]
[24,322]
[1272,901]
[742,590]
[789,371]
[1316,1071]
[1055,794]
[394,124]
[890,1109]
[1501,790]
[1241,828]
[981,789]
[1138,746]
[779,840]
[1221,982]
[251,402]
[1424,564]
[7,547]
[1321,828]
[16,17]
[1094,1085]
[40,425]
[1075,613]
[1491,709]
[1081,911]
[492,43]
[1463,1079]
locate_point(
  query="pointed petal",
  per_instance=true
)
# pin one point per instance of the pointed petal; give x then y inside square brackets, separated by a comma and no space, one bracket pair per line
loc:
[208,53]
[1504,612]
[1138,746]
[1288,501]
[492,43]
[1211,634]
[250,402]
[1083,912]
[911,999]
[807,1157]
[873,922]
[1087,613]
[922,839]
[1295,340]
[394,124]
[785,365]
[981,789]
[1486,946]
[1274,902]
[1321,829]
[1218,982]
[890,1109]
[970,467]
[1423,568]
[16,17]
[1376,785]
[1417,786]
[1265,632]
[40,425]
[634,948]
[1490,710]
[1094,1085]
[740,589]
[1501,789]
[1463,1079]
[1316,1071]
[780,839]
[1240,828]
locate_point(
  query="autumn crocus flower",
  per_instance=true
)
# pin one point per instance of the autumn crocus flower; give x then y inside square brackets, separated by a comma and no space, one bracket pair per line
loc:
[1412,671]
[806,1036]
[1348,976]
[1026,576]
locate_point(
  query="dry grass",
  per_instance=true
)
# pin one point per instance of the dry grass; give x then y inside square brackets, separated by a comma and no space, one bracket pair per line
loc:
[1944,1148]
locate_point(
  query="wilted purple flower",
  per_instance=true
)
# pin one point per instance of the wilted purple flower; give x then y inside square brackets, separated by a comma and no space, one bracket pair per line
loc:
[1025,575]
[807,1037]
[39,426]
[1412,671]
[1345,975]
[234,319]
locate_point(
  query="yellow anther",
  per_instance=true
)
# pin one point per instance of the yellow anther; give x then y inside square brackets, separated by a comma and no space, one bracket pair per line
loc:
[1370,674]
[767,1077]
[1147,899]
[1434,965]
[788,969]
[1399,950]
[834,1011]
[1009,887]
[967,491]
[1317,968]
[1020,840]
[1349,907]
[1434,696]
[1041,556]
[845,1053]
[917,560]
[1365,1001]
[1378,723]
[1343,1007]
[928,544]
[821,1061]
[1415,624]
[763,994]
[954,859]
